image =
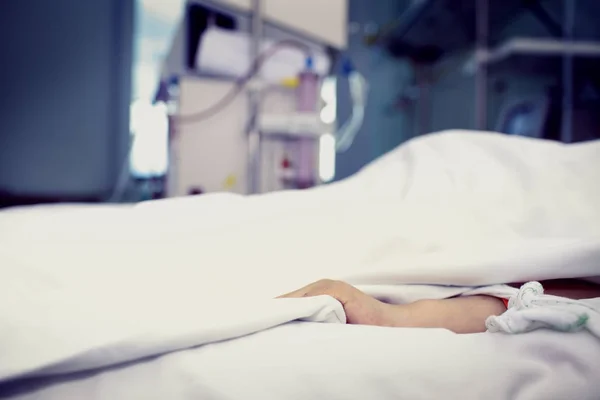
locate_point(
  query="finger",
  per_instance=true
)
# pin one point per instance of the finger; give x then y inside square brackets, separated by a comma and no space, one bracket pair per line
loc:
[295,294]
[314,289]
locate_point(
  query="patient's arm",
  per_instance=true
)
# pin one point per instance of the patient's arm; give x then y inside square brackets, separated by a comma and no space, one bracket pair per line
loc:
[468,314]
[460,315]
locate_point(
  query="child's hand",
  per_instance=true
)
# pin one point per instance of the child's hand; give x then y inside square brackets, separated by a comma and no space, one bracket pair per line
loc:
[460,315]
[359,307]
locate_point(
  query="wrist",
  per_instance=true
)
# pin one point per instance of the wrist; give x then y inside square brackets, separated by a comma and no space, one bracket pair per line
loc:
[396,315]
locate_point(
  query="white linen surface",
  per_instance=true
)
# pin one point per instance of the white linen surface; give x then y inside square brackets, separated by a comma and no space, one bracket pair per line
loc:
[304,360]
[83,287]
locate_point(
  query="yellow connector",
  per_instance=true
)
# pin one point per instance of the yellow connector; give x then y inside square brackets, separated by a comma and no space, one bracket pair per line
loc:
[291,83]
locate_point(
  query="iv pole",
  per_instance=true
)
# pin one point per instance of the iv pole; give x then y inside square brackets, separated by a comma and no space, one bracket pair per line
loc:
[254,139]
[481,53]
[567,73]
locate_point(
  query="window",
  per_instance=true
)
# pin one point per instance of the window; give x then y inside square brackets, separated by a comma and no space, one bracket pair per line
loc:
[150,139]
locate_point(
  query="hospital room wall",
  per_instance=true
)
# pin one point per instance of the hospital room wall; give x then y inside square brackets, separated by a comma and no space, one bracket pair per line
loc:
[383,128]
[65,79]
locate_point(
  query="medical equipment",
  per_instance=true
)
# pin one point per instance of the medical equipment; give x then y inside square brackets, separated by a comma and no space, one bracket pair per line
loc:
[209,147]
[293,137]
[321,21]
[295,150]
[307,95]
[307,152]
[290,142]
[296,134]
[226,53]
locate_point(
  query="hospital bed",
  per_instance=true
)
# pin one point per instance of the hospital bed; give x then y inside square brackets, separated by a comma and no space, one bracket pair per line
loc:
[174,298]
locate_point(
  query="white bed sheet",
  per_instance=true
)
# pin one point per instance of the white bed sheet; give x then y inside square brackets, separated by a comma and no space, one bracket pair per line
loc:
[89,287]
[329,361]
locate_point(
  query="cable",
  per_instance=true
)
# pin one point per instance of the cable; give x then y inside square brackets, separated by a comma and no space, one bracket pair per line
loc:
[241,83]
[358,92]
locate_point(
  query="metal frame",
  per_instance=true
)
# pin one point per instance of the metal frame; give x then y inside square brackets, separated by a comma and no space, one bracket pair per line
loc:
[482,59]
[254,139]
[567,73]
[481,52]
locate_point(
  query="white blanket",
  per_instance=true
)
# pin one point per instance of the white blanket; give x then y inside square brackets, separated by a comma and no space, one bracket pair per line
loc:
[304,360]
[83,287]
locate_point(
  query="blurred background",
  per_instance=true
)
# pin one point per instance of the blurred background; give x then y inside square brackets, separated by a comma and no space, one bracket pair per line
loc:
[130,100]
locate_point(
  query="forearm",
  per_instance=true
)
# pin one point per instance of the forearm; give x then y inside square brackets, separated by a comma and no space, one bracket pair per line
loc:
[460,315]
